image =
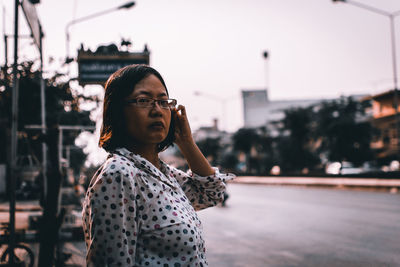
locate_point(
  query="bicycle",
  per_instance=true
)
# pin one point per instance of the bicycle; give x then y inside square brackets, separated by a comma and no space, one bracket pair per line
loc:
[23,255]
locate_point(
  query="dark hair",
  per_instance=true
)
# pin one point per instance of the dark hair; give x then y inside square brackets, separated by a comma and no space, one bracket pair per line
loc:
[118,86]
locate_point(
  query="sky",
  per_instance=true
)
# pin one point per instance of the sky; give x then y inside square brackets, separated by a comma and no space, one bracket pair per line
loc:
[317,48]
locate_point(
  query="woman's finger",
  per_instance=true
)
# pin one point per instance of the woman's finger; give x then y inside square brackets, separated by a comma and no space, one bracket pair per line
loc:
[182,109]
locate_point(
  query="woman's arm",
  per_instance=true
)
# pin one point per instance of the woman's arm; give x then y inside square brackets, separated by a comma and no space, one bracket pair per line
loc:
[184,139]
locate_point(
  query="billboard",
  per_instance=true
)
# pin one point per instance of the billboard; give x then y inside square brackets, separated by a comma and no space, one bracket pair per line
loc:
[95,68]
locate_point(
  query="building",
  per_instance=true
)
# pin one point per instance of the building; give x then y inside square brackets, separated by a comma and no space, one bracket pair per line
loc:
[213,132]
[383,113]
[259,111]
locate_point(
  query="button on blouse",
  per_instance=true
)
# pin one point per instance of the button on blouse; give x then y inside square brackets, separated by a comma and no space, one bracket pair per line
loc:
[137,215]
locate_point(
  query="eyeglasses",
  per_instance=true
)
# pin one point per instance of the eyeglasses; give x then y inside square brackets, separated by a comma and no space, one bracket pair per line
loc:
[149,102]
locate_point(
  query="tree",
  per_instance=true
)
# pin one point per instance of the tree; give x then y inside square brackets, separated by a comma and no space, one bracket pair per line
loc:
[266,150]
[345,131]
[229,161]
[295,142]
[243,140]
[210,147]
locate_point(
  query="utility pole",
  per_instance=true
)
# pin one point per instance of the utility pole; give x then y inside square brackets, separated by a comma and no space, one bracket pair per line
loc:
[14,138]
[52,218]
[43,117]
[5,39]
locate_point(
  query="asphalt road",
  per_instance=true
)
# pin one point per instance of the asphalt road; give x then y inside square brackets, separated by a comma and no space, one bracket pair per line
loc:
[300,226]
[281,226]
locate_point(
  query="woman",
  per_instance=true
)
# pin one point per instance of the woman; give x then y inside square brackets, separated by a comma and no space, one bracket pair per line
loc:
[139,211]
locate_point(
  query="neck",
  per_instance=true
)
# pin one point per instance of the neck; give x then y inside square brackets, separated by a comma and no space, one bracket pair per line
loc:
[148,152]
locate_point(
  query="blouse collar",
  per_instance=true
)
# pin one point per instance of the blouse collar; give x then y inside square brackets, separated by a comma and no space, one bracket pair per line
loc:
[146,166]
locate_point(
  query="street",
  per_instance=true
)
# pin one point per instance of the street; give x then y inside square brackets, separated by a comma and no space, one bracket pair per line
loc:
[297,226]
[281,226]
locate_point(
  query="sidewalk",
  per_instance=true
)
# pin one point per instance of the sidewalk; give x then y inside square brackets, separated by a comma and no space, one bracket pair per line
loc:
[367,183]
[27,208]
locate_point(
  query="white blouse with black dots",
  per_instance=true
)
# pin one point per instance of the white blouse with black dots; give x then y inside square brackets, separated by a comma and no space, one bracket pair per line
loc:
[137,215]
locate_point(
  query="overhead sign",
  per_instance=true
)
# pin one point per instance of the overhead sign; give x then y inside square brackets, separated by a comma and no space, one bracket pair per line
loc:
[96,68]
[33,22]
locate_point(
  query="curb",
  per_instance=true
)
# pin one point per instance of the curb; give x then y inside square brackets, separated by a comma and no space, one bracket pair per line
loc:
[315,181]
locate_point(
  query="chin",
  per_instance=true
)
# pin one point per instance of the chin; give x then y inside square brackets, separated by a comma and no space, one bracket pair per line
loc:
[157,138]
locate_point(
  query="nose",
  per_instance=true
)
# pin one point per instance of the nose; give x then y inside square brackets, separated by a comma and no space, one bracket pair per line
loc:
[155,104]
[156,109]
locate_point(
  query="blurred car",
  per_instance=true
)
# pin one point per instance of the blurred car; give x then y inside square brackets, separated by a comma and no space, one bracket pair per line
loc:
[370,166]
[275,170]
[394,165]
[342,168]
[333,168]
[349,168]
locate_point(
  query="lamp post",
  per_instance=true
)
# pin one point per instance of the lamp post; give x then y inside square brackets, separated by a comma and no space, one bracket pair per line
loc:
[391,17]
[98,14]
[265,55]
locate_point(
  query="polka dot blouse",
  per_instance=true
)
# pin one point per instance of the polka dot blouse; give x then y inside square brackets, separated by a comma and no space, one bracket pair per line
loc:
[137,215]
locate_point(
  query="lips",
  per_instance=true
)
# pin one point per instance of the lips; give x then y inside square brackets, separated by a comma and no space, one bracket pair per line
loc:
[157,124]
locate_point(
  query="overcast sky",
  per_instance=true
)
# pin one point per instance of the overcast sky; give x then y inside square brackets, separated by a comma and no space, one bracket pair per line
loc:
[317,49]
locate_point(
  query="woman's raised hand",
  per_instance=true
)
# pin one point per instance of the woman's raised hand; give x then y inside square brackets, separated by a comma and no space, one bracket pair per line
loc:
[183,133]
[184,139]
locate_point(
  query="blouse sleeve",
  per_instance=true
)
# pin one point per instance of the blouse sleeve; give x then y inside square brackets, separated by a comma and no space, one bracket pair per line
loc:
[204,191]
[112,220]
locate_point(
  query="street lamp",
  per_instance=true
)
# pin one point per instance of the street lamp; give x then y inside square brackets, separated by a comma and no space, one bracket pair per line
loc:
[75,21]
[391,17]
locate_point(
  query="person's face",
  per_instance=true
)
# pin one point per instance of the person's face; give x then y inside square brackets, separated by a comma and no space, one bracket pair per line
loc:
[147,125]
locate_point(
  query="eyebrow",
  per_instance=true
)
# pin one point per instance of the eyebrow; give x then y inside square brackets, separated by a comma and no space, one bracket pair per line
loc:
[149,94]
